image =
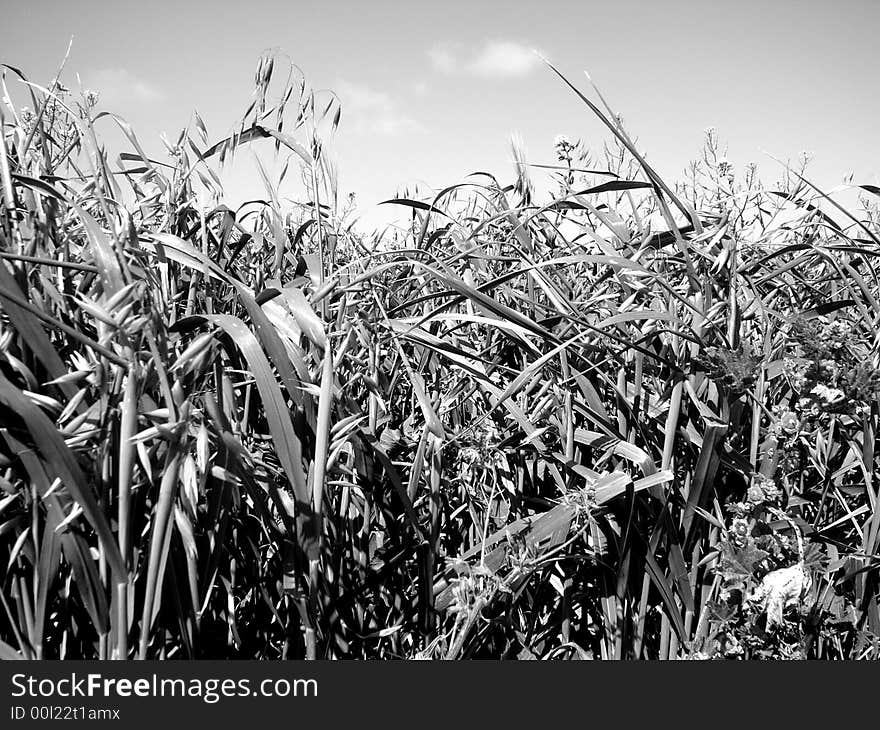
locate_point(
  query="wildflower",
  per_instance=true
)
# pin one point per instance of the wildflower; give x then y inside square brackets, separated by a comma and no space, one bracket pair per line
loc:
[796,372]
[789,422]
[755,495]
[27,118]
[784,541]
[771,492]
[863,410]
[781,589]
[786,424]
[738,369]
[91,98]
[564,147]
[831,396]
[560,140]
[697,656]
[762,489]
[792,461]
[734,650]
[739,532]
[821,341]
[835,335]
[829,369]
[725,168]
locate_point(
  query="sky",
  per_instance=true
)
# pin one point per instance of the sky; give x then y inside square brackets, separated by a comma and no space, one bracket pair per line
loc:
[432,91]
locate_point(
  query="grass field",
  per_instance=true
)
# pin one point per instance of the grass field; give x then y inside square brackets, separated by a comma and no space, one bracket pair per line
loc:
[636,420]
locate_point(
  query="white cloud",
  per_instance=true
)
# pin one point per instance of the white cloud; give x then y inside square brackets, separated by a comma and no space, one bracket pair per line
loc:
[368,111]
[504,58]
[495,59]
[120,86]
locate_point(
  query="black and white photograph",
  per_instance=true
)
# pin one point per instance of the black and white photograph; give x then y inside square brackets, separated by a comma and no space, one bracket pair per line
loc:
[437,331]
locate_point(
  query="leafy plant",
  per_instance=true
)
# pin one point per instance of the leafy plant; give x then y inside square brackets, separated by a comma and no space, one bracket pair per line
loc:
[634,420]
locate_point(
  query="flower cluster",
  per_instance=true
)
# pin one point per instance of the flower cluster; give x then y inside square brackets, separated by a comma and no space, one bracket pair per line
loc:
[786,424]
[54,117]
[765,580]
[824,371]
[740,533]
[27,118]
[564,148]
[725,168]
[763,493]
[737,369]
[763,490]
